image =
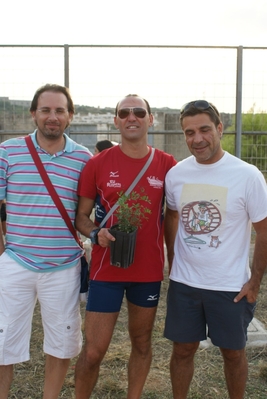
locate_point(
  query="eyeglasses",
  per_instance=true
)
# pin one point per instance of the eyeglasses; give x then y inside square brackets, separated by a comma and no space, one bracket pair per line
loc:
[57,111]
[138,112]
[202,105]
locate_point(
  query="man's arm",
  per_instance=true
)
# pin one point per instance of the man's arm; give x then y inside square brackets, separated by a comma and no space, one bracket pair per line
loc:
[85,225]
[259,263]
[170,230]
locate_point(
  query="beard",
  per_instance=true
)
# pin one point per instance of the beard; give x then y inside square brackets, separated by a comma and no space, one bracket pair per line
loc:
[53,132]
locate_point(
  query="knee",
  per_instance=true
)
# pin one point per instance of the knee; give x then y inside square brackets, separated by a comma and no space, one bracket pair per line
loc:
[233,356]
[141,346]
[92,357]
[184,351]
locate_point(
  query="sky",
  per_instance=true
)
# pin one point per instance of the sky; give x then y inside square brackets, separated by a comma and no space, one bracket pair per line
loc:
[141,22]
[154,22]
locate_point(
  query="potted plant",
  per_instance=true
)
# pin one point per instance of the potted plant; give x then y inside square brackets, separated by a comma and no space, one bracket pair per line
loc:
[131,213]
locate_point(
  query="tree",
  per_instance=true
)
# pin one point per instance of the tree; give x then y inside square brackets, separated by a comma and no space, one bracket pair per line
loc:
[254,138]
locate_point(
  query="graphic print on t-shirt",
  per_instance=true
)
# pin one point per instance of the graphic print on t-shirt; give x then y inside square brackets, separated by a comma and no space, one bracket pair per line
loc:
[202,211]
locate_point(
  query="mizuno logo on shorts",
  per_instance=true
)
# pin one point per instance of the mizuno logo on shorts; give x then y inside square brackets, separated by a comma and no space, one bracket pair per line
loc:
[152,297]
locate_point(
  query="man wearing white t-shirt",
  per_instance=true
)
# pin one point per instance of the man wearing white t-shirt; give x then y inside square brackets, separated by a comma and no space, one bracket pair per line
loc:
[212,289]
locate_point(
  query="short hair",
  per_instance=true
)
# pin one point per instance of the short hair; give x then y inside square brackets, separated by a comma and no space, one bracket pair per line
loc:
[192,110]
[56,89]
[133,95]
[103,145]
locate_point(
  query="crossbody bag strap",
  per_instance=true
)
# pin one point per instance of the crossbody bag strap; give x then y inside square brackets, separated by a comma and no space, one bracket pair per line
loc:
[130,188]
[50,187]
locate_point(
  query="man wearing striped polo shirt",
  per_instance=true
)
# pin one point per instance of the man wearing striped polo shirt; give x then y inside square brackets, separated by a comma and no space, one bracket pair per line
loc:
[41,259]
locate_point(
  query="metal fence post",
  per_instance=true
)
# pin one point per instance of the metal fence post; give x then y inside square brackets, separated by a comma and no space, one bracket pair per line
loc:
[66,66]
[238,114]
[66,75]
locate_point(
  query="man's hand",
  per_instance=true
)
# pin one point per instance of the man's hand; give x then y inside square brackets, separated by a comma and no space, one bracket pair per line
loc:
[104,238]
[249,291]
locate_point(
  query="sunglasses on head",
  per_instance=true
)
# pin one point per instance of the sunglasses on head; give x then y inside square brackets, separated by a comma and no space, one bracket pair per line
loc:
[138,112]
[201,105]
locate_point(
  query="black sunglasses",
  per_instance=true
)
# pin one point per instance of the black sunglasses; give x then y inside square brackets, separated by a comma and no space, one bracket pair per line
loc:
[202,105]
[138,112]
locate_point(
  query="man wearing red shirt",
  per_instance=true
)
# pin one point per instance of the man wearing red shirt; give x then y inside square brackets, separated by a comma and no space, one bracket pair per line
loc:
[109,173]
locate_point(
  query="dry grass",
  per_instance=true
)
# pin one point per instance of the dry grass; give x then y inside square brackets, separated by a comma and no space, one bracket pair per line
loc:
[208,381]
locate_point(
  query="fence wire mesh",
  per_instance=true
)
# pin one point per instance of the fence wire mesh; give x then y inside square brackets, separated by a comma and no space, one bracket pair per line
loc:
[233,78]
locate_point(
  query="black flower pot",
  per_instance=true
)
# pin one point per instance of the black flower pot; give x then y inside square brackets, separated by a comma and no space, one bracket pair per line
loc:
[122,249]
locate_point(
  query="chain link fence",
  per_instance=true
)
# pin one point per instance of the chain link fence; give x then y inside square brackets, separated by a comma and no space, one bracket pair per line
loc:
[233,78]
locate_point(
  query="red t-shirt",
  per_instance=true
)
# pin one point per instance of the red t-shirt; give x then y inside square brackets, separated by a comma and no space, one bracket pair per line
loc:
[104,176]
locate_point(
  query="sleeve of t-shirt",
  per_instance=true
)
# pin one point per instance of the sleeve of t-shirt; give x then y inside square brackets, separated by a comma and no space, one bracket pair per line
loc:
[87,181]
[257,199]
[3,170]
[170,199]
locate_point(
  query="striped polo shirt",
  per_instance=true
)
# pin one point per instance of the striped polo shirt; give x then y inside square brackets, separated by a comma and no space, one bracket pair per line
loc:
[37,236]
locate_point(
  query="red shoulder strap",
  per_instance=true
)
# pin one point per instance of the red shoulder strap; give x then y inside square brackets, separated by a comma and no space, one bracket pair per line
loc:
[50,187]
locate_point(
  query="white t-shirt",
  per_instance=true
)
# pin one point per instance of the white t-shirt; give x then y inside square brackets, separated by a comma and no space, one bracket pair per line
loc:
[216,205]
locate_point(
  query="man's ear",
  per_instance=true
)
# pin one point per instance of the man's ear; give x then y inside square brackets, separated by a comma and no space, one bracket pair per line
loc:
[220,129]
[70,116]
[115,122]
[33,113]
[151,120]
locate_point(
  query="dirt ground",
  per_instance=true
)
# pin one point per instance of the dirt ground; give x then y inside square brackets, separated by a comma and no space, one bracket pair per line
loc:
[208,381]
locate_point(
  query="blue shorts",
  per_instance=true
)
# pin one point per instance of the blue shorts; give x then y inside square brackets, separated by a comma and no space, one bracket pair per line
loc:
[194,313]
[107,296]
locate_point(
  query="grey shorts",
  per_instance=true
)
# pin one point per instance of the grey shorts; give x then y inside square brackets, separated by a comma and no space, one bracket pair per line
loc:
[193,314]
